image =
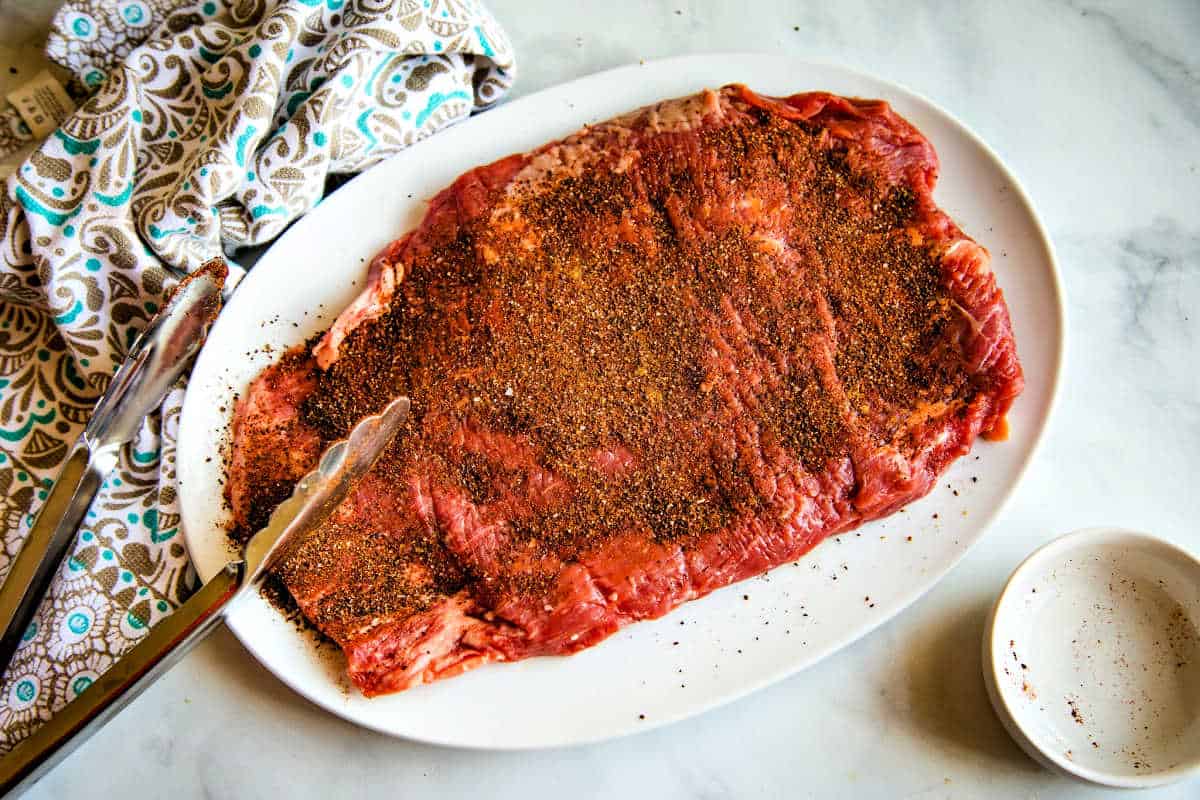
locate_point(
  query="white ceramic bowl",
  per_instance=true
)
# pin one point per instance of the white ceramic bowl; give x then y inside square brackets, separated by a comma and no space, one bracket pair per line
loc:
[1092,658]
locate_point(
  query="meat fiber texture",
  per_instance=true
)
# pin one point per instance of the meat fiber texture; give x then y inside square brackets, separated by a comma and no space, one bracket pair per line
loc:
[634,574]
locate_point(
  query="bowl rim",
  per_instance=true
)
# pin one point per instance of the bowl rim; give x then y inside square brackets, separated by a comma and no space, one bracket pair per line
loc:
[1093,536]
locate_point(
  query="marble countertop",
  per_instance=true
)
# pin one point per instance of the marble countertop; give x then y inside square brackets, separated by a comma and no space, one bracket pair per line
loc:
[1096,107]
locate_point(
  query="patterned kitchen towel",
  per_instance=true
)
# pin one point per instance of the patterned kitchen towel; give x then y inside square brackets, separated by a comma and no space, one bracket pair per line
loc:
[211,126]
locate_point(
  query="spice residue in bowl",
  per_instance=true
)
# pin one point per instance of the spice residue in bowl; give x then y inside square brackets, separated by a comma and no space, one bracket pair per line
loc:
[1115,657]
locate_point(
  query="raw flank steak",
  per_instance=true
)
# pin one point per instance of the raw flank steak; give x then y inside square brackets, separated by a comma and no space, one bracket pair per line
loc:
[665,354]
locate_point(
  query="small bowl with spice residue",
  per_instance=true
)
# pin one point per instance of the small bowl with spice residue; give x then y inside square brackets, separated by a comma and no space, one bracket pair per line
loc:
[1092,658]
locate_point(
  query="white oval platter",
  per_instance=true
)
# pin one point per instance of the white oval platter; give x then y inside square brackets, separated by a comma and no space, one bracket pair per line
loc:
[712,650]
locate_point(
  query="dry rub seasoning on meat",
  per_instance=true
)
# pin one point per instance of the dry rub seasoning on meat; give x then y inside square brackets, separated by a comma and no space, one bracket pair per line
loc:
[680,347]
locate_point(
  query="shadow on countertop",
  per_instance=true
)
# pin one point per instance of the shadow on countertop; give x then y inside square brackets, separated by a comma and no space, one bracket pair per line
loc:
[946,695]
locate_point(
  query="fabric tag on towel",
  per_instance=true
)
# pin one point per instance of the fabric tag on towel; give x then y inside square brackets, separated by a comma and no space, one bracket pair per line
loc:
[42,104]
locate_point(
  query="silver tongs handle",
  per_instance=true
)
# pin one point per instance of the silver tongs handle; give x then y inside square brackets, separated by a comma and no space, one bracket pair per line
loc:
[166,643]
[156,360]
[51,536]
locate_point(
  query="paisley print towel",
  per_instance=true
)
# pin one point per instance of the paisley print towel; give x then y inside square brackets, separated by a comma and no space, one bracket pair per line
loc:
[207,126]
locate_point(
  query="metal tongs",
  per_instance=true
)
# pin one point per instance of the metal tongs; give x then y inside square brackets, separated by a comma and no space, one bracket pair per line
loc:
[312,501]
[157,358]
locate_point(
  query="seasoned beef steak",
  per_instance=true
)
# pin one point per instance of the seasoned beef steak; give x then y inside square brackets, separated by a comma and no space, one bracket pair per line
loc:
[662,355]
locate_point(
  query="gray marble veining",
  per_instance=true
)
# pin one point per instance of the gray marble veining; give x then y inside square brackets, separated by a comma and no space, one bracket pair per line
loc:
[1177,73]
[1160,269]
[1096,108]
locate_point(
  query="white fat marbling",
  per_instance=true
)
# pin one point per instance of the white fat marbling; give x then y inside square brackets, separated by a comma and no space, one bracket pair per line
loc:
[1097,109]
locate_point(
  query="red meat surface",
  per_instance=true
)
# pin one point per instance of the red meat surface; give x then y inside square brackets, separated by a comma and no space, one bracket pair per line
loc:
[663,355]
